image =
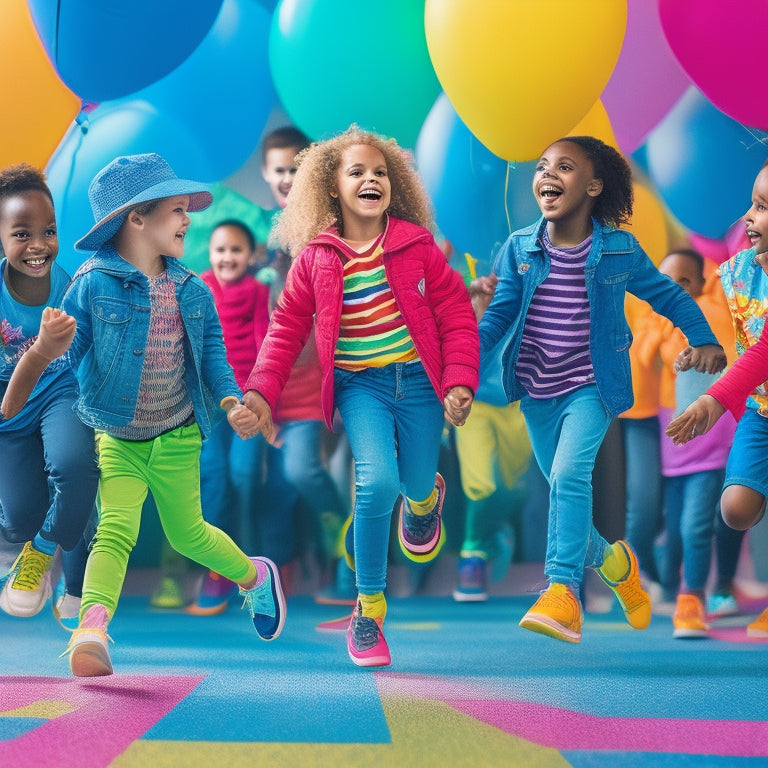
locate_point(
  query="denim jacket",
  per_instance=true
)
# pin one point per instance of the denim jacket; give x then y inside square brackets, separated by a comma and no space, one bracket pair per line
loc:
[616,264]
[109,298]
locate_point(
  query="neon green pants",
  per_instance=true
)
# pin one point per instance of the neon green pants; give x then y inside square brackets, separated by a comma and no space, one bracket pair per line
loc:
[169,467]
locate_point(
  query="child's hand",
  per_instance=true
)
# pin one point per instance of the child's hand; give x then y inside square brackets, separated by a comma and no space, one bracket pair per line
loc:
[57,329]
[240,418]
[481,291]
[697,419]
[709,358]
[259,406]
[457,404]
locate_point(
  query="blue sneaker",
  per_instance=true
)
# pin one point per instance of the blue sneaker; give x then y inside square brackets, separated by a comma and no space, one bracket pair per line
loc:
[265,600]
[472,580]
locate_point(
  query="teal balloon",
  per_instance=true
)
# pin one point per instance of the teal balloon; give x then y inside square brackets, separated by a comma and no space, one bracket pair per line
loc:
[704,164]
[336,62]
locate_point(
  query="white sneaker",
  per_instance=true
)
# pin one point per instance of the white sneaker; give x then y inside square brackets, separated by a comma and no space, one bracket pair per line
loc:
[66,609]
[89,653]
[28,584]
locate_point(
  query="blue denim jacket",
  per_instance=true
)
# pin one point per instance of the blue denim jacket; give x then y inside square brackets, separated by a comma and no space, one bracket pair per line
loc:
[109,298]
[616,264]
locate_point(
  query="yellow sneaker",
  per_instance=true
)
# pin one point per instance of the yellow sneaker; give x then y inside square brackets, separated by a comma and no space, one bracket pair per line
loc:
[688,619]
[759,627]
[557,613]
[629,591]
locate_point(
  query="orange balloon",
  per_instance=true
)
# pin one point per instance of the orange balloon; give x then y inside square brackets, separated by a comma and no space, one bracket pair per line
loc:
[39,107]
[649,223]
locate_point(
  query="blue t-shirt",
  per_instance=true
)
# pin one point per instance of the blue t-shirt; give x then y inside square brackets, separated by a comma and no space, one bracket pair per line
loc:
[19,326]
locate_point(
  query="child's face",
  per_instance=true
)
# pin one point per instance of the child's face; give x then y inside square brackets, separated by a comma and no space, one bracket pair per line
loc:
[166,226]
[230,254]
[756,218]
[684,271]
[28,233]
[278,171]
[564,182]
[362,185]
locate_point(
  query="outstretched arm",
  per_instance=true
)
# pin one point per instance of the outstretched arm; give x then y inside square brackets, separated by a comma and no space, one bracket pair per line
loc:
[57,329]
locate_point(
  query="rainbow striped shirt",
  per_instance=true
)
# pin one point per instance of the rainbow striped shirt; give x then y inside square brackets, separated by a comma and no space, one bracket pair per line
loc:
[372,332]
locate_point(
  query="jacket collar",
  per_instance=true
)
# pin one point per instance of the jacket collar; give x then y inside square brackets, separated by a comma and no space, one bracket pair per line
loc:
[109,261]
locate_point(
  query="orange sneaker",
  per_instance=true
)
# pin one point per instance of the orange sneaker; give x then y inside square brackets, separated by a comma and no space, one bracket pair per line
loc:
[688,619]
[759,627]
[557,613]
[629,591]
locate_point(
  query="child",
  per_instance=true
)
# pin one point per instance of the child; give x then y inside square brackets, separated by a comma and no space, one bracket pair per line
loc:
[394,328]
[230,467]
[151,361]
[493,442]
[745,280]
[48,473]
[559,305]
[693,476]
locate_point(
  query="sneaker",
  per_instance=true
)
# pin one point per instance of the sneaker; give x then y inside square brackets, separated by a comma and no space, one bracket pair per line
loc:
[66,607]
[722,604]
[759,627]
[629,591]
[365,641]
[557,613]
[688,619]
[28,584]
[421,537]
[265,600]
[88,649]
[214,596]
[168,594]
[472,577]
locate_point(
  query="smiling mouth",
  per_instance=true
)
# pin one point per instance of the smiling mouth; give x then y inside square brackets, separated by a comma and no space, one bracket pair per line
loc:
[370,194]
[549,192]
[37,262]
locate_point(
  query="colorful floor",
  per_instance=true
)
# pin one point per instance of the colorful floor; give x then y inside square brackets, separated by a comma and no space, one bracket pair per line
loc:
[467,687]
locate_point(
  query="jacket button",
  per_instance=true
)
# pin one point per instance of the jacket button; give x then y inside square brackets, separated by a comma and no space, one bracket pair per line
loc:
[137,352]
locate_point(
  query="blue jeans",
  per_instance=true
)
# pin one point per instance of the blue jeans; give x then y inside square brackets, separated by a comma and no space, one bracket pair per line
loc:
[690,505]
[394,422]
[644,518]
[566,433]
[48,477]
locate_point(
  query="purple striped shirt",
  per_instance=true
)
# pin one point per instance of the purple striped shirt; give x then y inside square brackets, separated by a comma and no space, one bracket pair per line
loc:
[554,353]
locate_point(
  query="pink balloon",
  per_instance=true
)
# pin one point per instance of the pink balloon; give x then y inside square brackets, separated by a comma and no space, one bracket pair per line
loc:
[721,45]
[647,79]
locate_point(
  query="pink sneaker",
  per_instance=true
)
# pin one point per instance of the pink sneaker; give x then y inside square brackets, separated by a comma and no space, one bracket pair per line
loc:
[365,641]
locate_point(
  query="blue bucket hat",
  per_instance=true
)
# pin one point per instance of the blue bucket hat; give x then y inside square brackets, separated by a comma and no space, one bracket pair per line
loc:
[128,181]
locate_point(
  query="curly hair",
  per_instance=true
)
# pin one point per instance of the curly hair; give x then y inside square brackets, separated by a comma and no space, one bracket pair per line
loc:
[311,209]
[613,205]
[23,177]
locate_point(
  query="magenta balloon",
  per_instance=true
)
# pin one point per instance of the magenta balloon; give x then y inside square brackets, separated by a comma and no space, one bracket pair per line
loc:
[647,79]
[721,45]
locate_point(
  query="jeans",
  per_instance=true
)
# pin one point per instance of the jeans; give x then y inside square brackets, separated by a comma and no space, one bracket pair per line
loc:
[394,422]
[644,518]
[48,477]
[566,433]
[690,506]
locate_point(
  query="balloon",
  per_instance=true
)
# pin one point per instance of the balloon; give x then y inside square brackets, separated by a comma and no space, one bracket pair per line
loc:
[721,46]
[335,63]
[469,186]
[648,223]
[106,50]
[522,73]
[222,94]
[38,107]
[596,123]
[647,79]
[120,128]
[703,164]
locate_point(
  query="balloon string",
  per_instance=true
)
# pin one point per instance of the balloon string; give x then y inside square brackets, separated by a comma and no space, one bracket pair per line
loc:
[760,137]
[506,199]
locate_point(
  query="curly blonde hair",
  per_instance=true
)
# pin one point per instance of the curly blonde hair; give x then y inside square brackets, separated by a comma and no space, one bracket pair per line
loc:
[311,209]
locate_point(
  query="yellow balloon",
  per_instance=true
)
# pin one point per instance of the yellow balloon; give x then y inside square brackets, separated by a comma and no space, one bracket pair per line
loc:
[39,107]
[649,223]
[596,123]
[522,73]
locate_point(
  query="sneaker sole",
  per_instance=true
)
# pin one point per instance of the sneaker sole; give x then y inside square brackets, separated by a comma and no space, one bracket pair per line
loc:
[214,610]
[544,625]
[689,634]
[469,597]
[758,633]
[23,612]
[424,553]
[427,557]
[371,661]
[90,659]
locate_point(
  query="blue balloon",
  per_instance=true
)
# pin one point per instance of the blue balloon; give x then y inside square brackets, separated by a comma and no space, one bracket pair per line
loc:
[223,93]
[95,139]
[478,198]
[106,50]
[703,164]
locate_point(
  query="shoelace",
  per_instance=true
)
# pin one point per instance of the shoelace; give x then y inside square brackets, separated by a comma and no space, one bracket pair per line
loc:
[632,592]
[259,600]
[80,630]
[365,632]
[32,566]
[421,527]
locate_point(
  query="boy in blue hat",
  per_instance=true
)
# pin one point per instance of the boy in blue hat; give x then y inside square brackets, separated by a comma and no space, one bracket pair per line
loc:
[151,362]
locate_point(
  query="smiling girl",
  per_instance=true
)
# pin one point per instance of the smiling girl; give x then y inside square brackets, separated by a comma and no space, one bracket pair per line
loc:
[397,342]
